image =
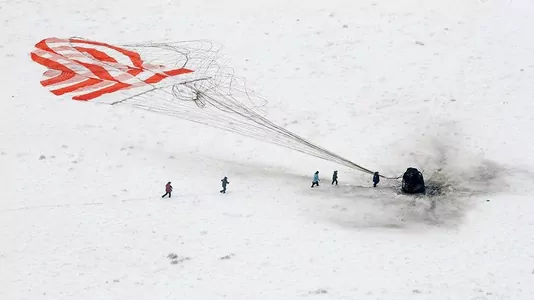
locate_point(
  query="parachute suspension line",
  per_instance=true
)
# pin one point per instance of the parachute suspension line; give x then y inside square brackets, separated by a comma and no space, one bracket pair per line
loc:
[222,110]
[290,136]
[240,120]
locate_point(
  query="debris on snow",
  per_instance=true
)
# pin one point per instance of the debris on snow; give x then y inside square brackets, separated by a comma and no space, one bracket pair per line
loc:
[175,259]
[319,292]
[227,256]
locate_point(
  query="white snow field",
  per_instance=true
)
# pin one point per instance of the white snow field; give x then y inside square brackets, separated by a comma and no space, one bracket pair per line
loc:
[443,86]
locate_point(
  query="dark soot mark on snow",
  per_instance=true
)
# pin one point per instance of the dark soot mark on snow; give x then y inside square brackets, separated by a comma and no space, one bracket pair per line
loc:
[455,180]
[454,173]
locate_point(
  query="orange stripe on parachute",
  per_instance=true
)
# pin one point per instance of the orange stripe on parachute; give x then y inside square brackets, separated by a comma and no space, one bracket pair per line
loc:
[178,71]
[155,78]
[133,71]
[97,54]
[63,76]
[98,71]
[51,65]
[77,86]
[159,76]
[134,56]
[44,46]
[107,90]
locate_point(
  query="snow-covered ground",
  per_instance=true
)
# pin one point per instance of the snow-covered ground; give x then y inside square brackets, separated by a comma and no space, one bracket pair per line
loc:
[444,86]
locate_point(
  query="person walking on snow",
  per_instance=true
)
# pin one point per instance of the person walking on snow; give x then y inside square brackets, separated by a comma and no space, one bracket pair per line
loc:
[224,183]
[168,190]
[376,179]
[315,181]
[334,177]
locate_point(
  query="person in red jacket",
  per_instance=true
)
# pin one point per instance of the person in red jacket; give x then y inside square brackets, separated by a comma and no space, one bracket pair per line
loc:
[168,190]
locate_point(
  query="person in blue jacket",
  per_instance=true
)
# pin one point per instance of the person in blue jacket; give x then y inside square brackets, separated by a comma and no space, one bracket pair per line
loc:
[315,181]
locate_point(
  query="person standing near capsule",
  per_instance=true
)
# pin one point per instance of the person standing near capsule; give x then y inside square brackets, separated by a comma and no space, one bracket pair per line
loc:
[315,181]
[334,178]
[376,179]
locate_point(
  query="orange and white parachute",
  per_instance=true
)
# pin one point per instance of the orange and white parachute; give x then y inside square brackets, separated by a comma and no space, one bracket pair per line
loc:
[90,69]
[189,80]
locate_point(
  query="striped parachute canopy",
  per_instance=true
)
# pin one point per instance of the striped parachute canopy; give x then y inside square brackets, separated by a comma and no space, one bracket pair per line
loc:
[88,69]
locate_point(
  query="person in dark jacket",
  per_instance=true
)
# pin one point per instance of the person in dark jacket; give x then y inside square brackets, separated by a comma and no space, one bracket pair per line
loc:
[224,183]
[334,177]
[315,181]
[376,179]
[168,190]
